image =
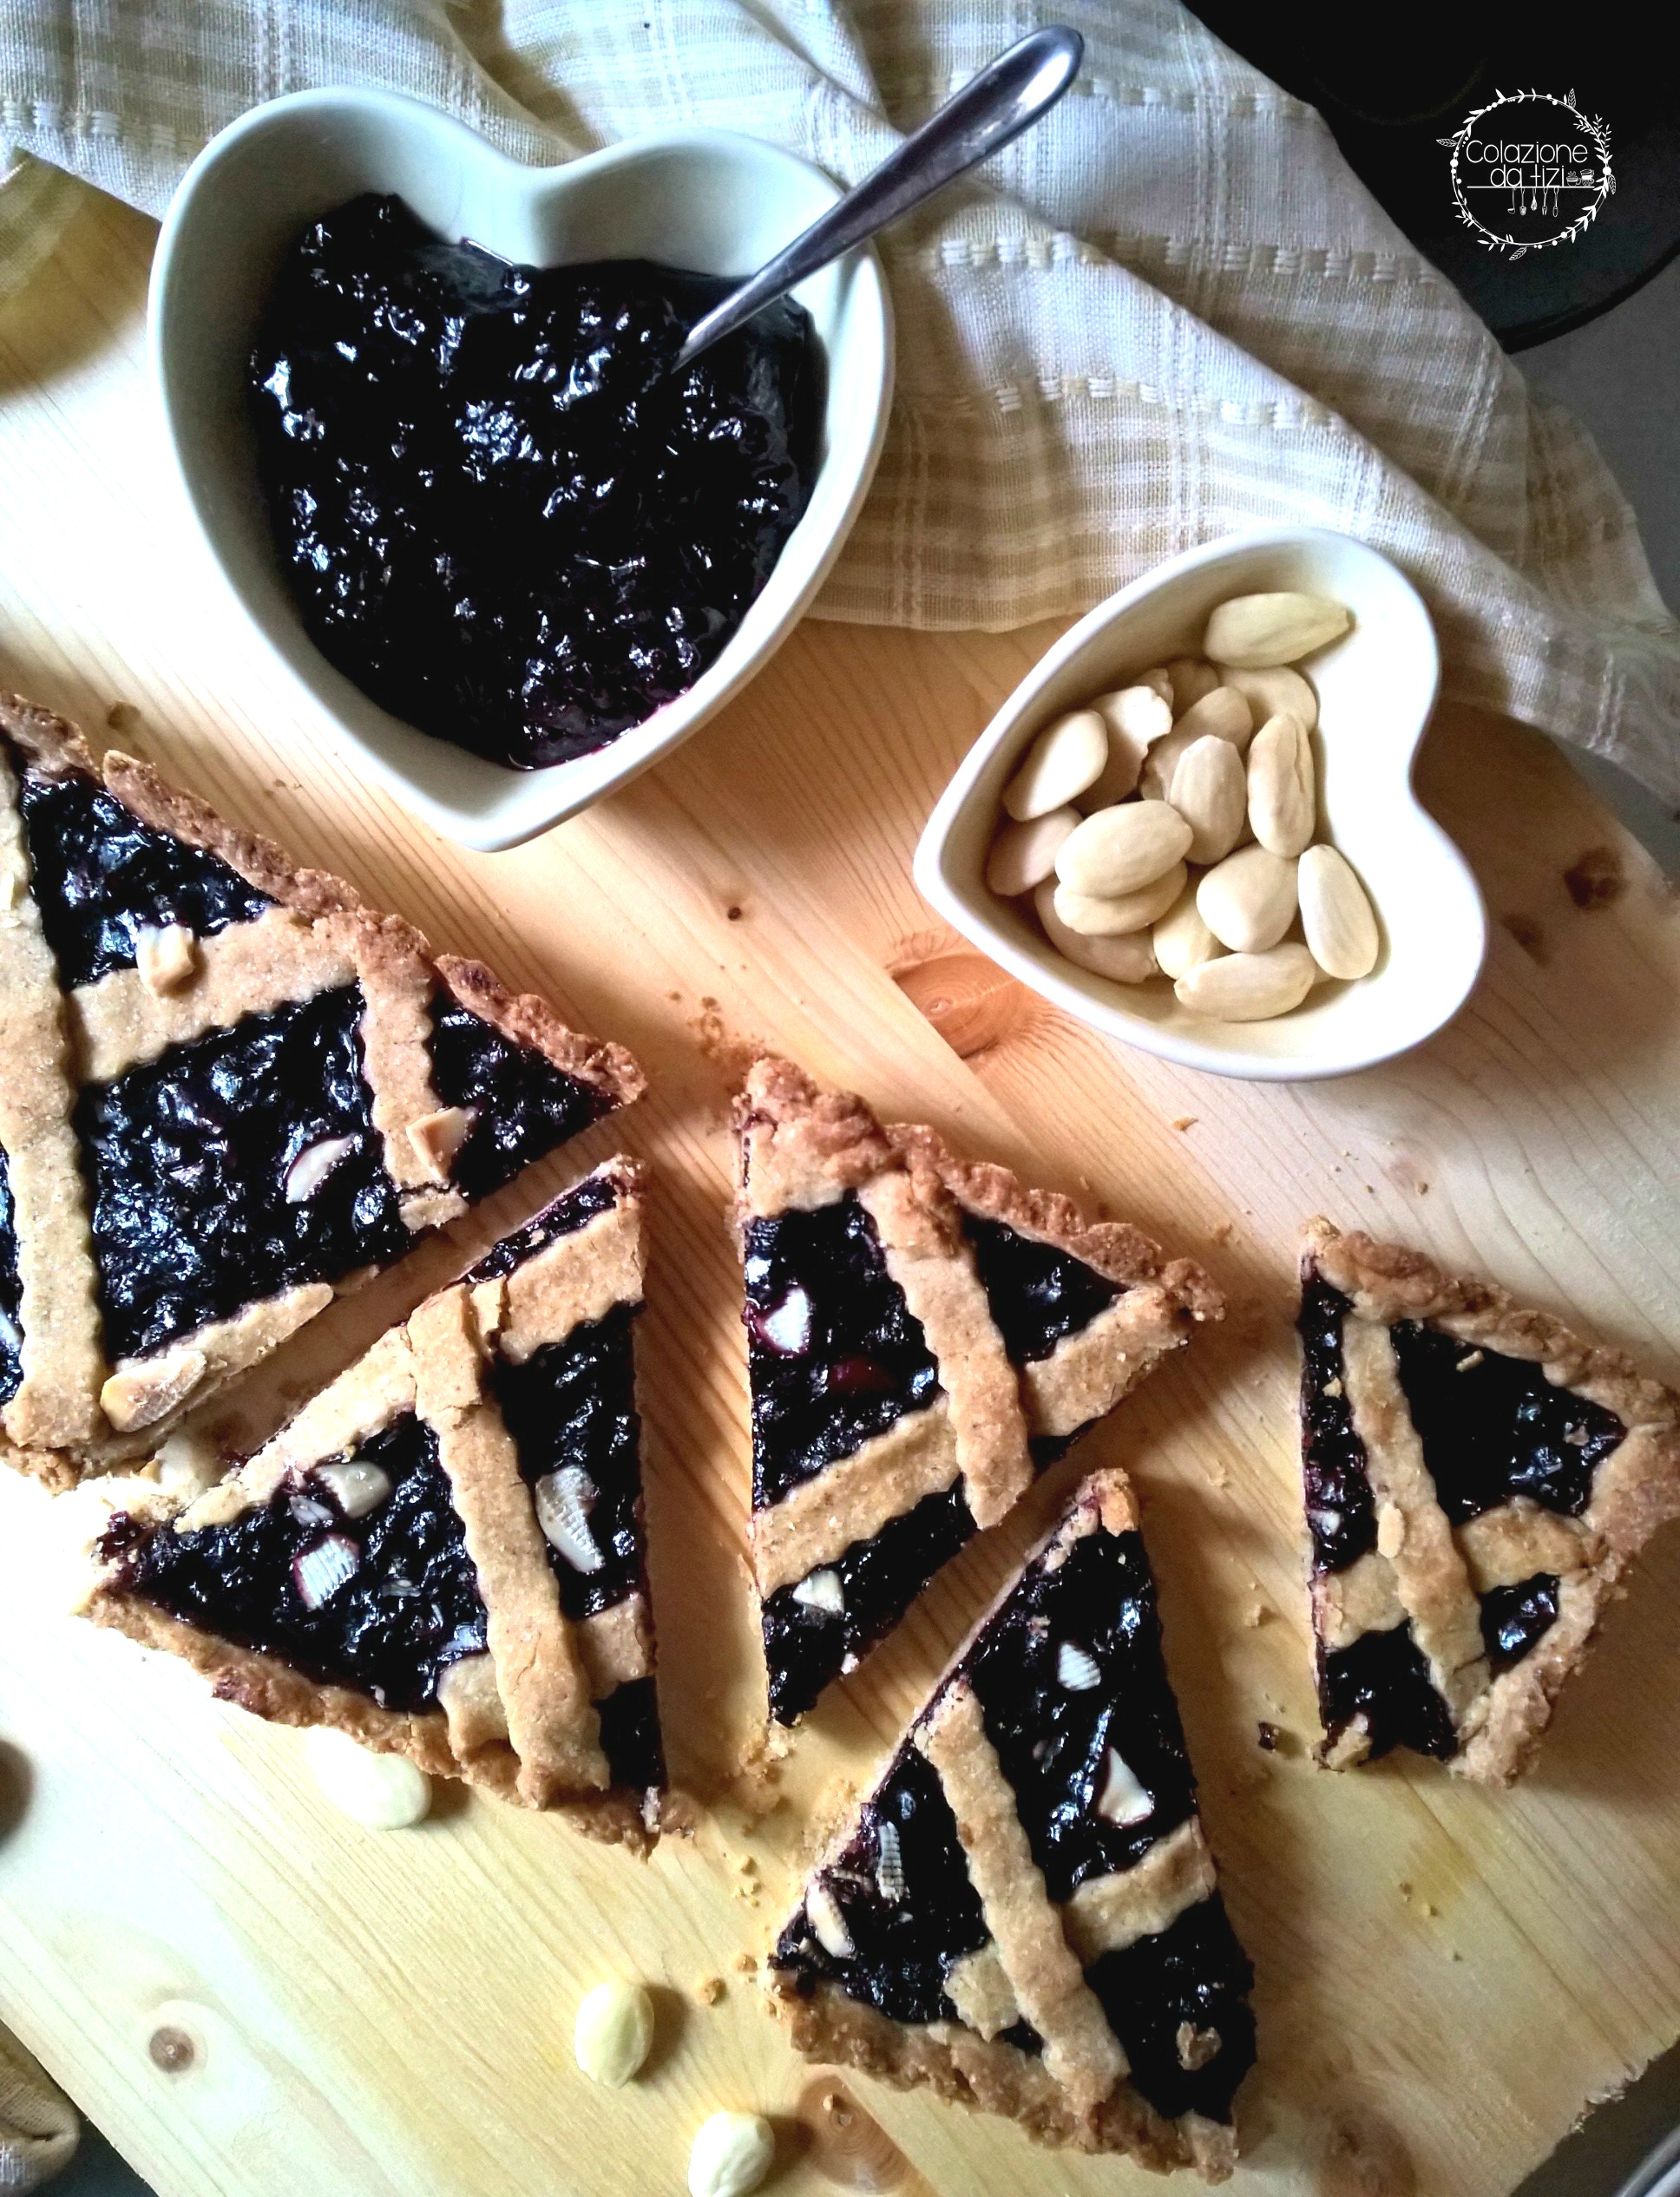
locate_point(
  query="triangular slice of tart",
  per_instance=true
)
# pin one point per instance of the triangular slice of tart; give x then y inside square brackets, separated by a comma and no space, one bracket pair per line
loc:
[1022,1914]
[443,1553]
[1478,1479]
[227,1089]
[922,1336]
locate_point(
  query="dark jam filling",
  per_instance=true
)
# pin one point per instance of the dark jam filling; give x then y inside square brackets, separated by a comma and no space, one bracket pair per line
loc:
[500,514]
[1340,1515]
[1039,1296]
[1193,1972]
[1514,1618]
[1493,1427]
[100,876]
[835,1354]
[11,1292]
[904,1948]
[1052,1740]
[408,1609]
[1384,1678]
[804,1648]
[595,1195]
[189,1158]
[526,1106]
[630,1736]
[573,1404]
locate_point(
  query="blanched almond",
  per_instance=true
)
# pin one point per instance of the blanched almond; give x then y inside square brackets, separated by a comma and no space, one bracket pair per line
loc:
[1127,960]
[1222,712]
[1282,786]
[1255,631]
[1336,915]
[1267,692]
[1118,849]
[1191,679]
[1024,855]
[1209,791]
[1181,939]
[1248,901]
[1157,676]
[1248,988]
[1095,917]
[1155,781]
[1134,716]
[1066,757]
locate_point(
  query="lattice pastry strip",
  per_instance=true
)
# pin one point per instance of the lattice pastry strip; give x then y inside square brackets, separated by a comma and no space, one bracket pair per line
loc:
[924,1336]
[1477,1480]
[226,1090]
[1023,1912]
[442,1553]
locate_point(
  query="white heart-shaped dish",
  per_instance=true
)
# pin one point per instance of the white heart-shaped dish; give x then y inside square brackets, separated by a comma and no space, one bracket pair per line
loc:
[699,199]
[1376,687]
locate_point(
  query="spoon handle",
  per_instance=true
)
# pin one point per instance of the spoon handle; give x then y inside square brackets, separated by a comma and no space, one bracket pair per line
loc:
[1008,96]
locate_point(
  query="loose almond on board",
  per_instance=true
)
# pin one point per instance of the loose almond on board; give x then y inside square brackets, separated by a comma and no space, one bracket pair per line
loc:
[1118,849]
[1065,759]
[1248,901]
[1255,631]
[1336,915]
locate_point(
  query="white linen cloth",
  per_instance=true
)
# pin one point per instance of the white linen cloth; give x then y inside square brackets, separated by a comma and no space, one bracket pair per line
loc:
[1176,312]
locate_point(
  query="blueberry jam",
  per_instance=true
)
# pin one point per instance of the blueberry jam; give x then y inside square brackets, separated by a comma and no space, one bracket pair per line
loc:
[384,1603]
[190,1159]
[1493,1427]
[1039,1296]
[902,1884]
[573,1405]
[100,876]
[1383,1677]
[526,1106]
[595,1195]
[1514,1618]
[501,514]
[630,1736]
[835,1354]
[1341,1516]
[11,1292]
[805,1646]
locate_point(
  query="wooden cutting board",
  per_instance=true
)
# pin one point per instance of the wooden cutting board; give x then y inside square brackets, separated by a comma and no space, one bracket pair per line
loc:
[255,1998]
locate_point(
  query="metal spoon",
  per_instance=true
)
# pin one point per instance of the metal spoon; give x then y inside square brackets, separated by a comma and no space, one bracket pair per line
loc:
[1008,96]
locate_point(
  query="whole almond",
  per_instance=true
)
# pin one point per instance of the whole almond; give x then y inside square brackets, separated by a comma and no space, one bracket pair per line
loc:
[1282,786]
[1134,716]
[1210,791]
[1118,849]
[1222,712]
[1182,941]
[1024,855]
[1337,915]
[1255,631]
[1127,959]
[1159,677]
[1155,781]
[1066,757]
[1191,679]
[1279,688]
[1248,988]
[1103,917]
[1248,901]
[614,2032]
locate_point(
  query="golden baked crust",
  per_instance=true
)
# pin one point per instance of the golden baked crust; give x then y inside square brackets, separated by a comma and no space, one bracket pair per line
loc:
[74,1410]
[519,1717]
[1431,1573]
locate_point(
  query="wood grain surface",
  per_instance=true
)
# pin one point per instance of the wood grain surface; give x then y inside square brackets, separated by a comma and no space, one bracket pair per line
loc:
[255,1998]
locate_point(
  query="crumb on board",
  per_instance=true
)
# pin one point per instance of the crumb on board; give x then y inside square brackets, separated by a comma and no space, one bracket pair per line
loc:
[1221,1234]
[1266,1736]
[745,1964]
[1182,1122]
[709,1990]
[121,717]
[1595,879]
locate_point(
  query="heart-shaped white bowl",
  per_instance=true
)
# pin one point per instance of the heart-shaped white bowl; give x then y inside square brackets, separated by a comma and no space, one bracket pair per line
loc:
[1376,687]
[699,199]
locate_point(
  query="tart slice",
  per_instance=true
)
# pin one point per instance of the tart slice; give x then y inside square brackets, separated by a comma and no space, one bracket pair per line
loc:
[226,1090]
[1023,1915]
[1477,1480]
[922,1335]
[443,1553]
